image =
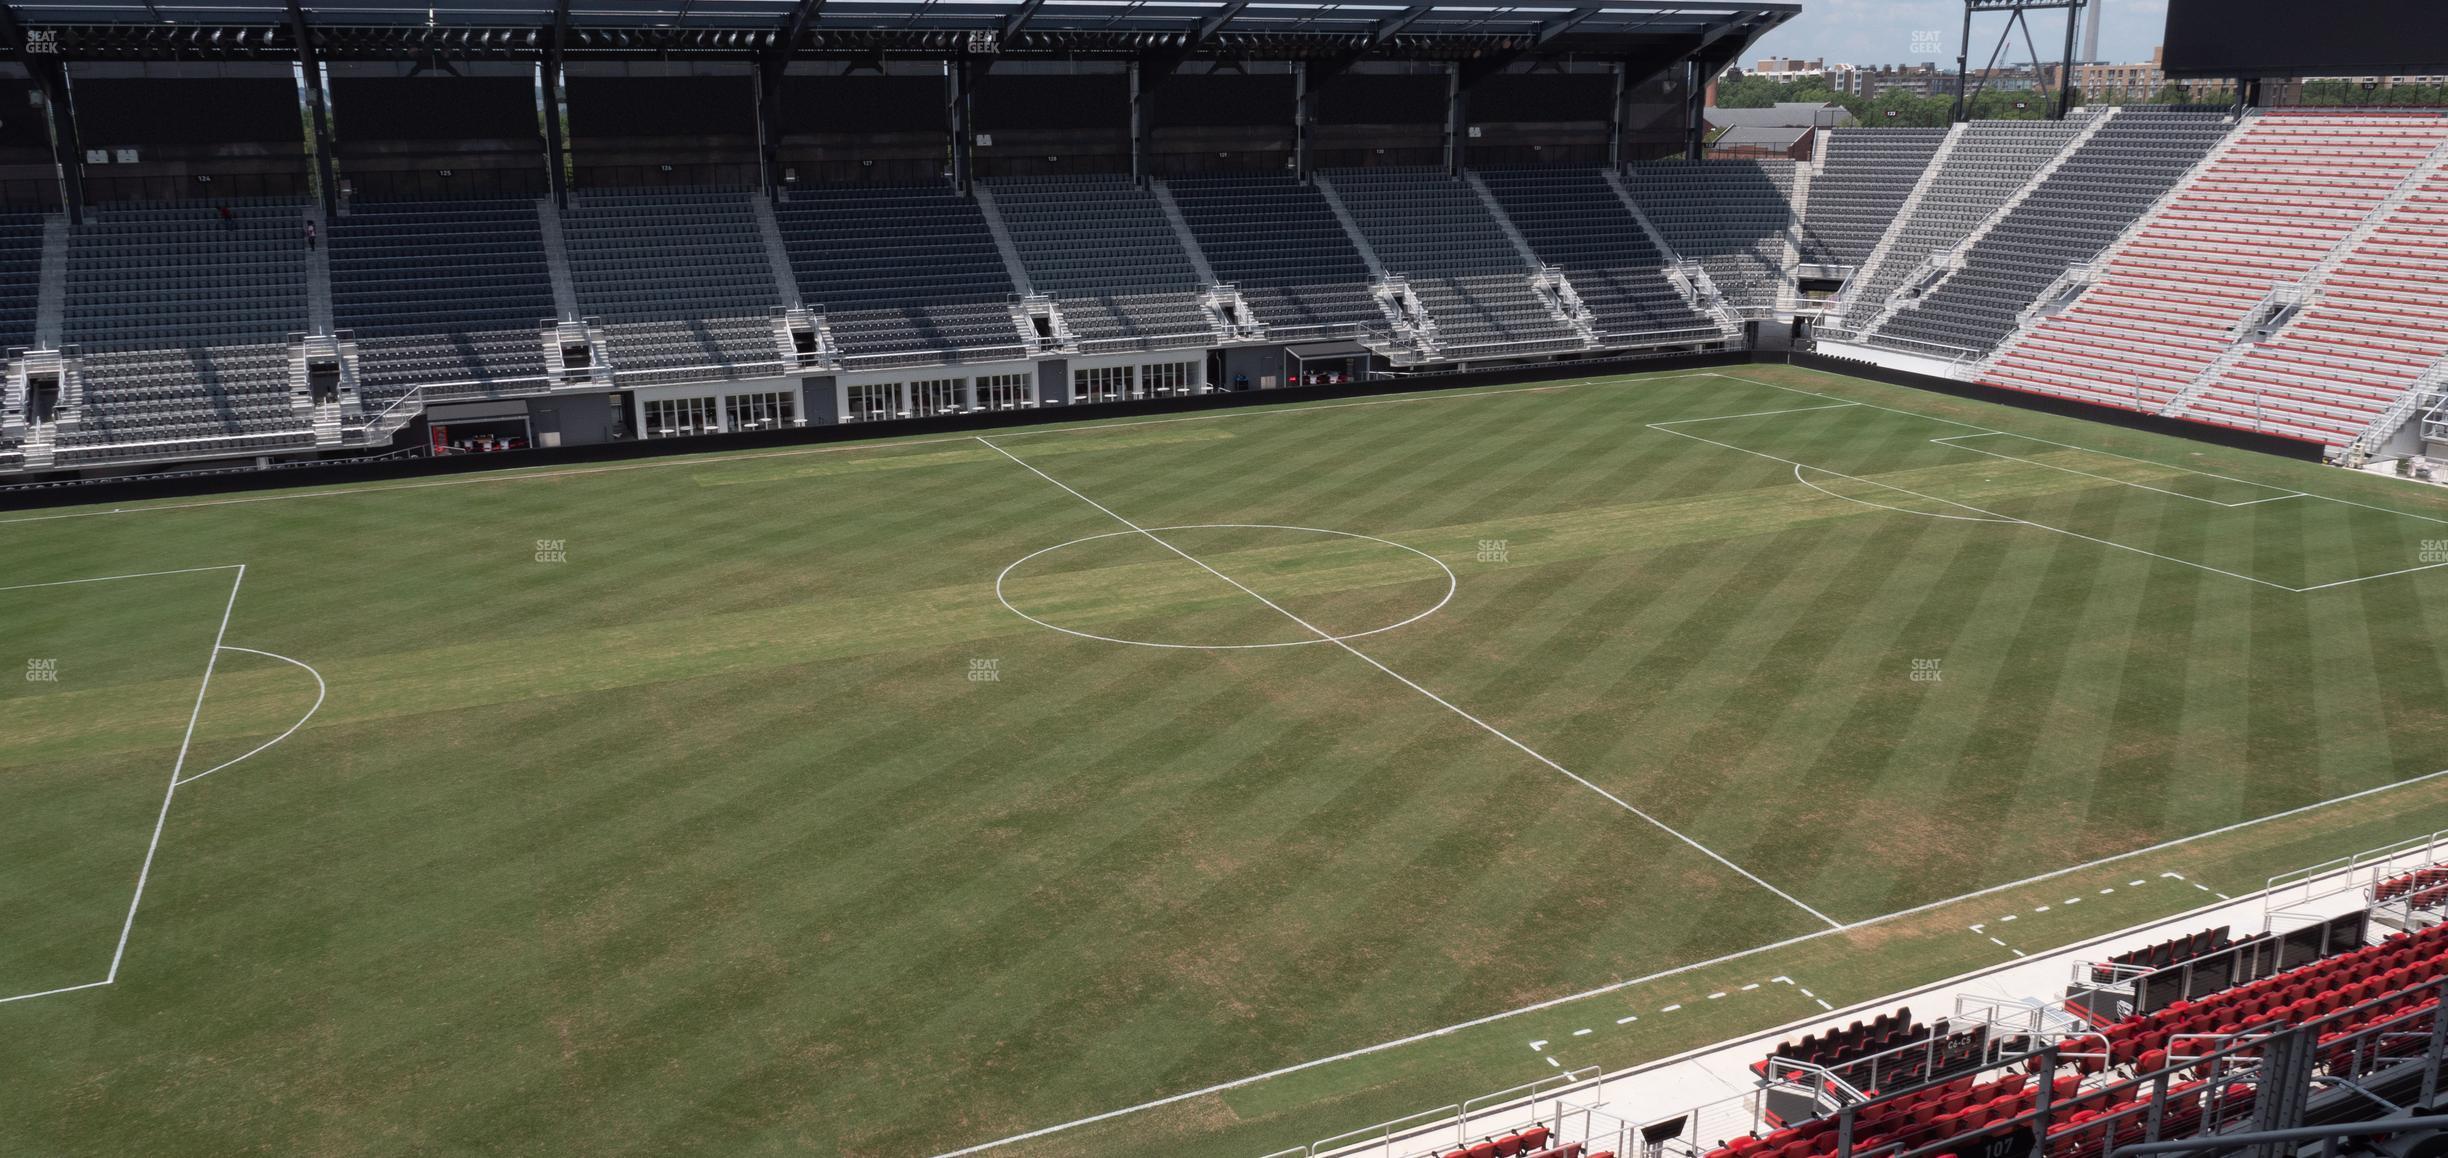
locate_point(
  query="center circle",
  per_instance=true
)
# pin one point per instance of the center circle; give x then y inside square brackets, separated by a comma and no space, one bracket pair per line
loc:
[1157,540]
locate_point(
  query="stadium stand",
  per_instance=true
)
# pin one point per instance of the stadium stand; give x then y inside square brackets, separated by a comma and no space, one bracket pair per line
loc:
[1277,241]
[1733,217]
[904,275]
[681,280]
[1864,176]
[2370,330]
[2274,273]
[2108,1087]
[2398,886]
[2178,1036]
[1573,218]
[1988,163]
[182,314]
[1436,233]
[449,291]
[21,246]
[2165,953]
[2104,186]
[2175,298]
[1103,248]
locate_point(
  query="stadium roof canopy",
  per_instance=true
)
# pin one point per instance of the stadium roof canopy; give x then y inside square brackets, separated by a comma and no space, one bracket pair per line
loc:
[1255,29]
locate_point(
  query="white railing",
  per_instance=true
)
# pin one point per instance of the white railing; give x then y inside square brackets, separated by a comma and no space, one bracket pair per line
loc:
[2361,870]
[1425,1132]
[404,409]
[955,355]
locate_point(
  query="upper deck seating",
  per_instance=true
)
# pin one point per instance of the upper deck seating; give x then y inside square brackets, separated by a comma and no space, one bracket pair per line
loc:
[681,280]
[904,275]
[1102,247]
[1278,242]
[444,291]
[1573,218]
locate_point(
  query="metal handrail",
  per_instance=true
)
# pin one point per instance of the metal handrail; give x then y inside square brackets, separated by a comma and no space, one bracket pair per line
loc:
[2291,1134]
[2214,1064]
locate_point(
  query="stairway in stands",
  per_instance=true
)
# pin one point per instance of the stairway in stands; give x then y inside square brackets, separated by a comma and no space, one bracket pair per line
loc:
[446,294]
[1103,249]
[1460,265]
[2376,321]
[682,280]
[904,275]
[2219,256]
[1574,218]
[180,317]
[2067,219]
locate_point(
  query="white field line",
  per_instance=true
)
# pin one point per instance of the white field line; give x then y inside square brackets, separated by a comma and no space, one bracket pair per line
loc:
[171,792]
[51,992]
[1091,426]
[1798,469]
[1616,986]
[883,442]
[109,578]
[1994,516]
[2368,578]
[1955,441]
[2129,458]
[2070,446]
[186,744]
[1448,705]
[1756,414]
[321,690]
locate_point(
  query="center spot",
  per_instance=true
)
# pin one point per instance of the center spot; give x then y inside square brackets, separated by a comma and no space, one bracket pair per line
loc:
[1126,587]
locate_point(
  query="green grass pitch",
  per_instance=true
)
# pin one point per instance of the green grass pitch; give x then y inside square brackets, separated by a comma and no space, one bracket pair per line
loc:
[830,801]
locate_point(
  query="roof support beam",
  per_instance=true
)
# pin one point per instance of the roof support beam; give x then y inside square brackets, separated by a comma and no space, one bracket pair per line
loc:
[1210,26]
[1153,69]
[794,26]
[770,68]
[556,162]
[1388,27]
[1012,23]
[310,73]
[1321,71]
[1562,24]
[67,152]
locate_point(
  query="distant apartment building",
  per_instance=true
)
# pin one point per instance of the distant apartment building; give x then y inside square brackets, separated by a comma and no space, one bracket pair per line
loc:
[1781,68]
[2140,82]
[1869,82]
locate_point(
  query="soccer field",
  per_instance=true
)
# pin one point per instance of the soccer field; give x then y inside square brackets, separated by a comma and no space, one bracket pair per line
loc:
[898,797]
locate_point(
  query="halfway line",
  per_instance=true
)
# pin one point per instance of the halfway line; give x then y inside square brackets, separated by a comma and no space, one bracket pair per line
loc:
[1448,705]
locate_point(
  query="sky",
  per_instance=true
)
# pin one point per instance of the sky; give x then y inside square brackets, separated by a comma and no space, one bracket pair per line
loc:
[1901,32]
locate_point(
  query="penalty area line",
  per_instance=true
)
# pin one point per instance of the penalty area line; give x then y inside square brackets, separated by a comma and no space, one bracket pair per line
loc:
[161,819]
[1618,986]
[170,793]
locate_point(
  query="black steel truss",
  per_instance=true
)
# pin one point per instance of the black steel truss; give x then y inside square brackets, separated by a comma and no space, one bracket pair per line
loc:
[868,30]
